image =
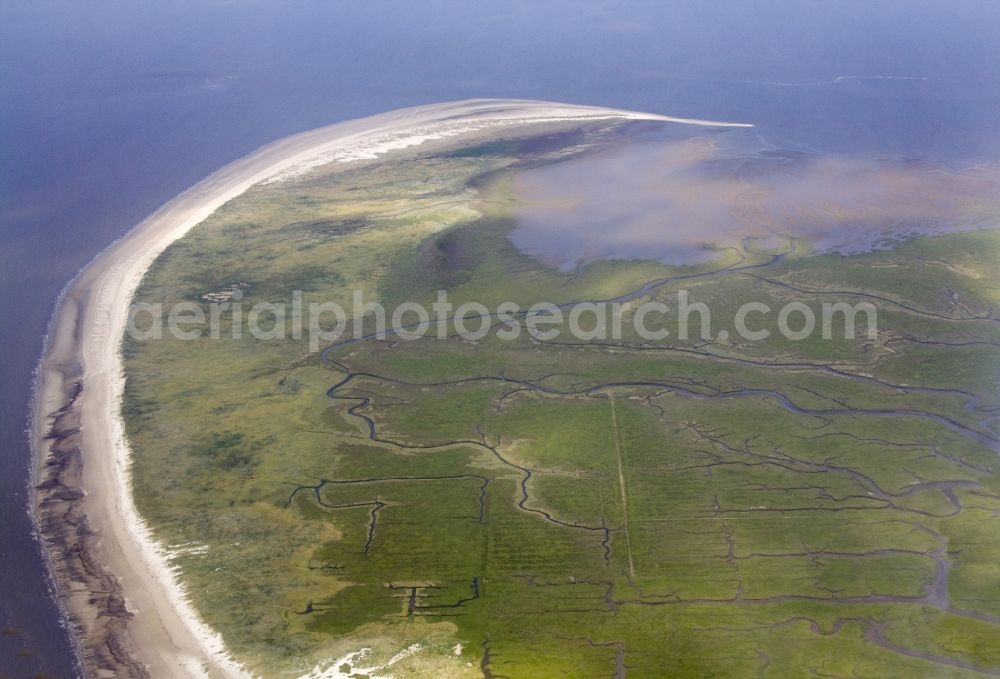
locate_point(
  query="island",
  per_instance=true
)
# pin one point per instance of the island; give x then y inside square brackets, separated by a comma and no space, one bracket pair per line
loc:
[523,389]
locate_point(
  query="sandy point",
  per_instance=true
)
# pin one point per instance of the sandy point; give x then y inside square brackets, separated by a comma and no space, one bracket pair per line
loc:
[131,614]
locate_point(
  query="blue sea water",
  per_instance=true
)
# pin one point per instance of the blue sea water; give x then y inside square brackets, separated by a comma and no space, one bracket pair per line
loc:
[109,108]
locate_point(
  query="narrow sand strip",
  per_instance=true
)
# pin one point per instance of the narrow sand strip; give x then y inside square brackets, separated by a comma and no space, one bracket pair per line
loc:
[166,634]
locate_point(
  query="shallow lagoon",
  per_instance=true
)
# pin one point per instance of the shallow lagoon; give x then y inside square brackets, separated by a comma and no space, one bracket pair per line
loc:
[681,200]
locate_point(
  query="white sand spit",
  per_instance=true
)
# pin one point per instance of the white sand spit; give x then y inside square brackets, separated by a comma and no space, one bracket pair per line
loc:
[166,632]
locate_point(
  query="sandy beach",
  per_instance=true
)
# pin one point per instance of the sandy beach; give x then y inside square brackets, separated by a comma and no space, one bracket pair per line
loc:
[131,614]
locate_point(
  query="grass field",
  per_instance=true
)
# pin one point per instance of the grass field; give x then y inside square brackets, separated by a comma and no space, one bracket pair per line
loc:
[571,508]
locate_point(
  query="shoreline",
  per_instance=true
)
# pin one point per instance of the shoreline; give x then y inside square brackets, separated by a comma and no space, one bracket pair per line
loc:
[129,614]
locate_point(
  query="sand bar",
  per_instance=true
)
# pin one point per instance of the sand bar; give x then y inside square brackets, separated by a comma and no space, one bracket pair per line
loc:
[130,612]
